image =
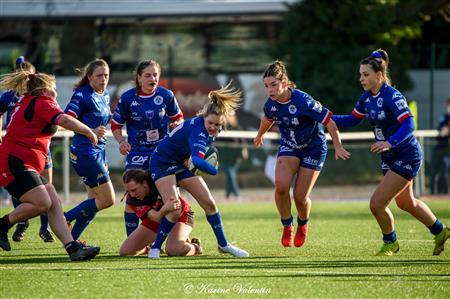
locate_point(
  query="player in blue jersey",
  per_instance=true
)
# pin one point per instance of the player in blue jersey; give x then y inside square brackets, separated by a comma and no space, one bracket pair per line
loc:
[303,147]
[401,155]
[147,110]
[168,166]
[90,104]
[7,102]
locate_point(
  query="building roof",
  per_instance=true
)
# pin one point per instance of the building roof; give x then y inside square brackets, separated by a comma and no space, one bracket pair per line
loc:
[137,8]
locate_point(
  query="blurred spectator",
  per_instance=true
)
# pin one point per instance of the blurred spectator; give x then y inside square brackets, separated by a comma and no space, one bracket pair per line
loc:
[440,161]
[230,160]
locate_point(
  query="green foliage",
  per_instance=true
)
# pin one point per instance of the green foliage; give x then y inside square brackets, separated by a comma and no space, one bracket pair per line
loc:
[323,42]
[336,262]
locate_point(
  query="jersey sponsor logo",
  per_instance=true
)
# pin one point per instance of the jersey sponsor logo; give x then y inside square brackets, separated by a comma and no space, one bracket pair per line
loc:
[286,120]
[284,149]
[380,102]
[292,109]
[273,108]
[139,160]
[401,104]
[134,103]
[150,114]
[295,121]
[311,161]
[381,115]
[158,100]
[317,107]
[373,114]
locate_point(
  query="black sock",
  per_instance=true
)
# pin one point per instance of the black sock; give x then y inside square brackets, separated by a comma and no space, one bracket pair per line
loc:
[4,222]
[71,247]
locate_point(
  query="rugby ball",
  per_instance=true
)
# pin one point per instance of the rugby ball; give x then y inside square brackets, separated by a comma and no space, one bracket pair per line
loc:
[211,156]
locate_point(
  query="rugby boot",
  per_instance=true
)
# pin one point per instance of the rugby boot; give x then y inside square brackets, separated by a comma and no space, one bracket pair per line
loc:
[300,235]
[46,236]
[439,240]
[389,249]
[4,242]
[83,254]
[19,233]
[287,238]
[233,250]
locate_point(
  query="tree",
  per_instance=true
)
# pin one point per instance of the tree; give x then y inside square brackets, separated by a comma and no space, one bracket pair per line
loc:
[323,42]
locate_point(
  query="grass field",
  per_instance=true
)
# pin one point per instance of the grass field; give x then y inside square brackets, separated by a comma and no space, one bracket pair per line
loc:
[337,261]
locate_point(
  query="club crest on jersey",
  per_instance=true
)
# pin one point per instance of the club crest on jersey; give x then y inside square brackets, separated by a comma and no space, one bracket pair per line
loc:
[158,100]
[380,102]
[286,120]
[292,109]
[149,114]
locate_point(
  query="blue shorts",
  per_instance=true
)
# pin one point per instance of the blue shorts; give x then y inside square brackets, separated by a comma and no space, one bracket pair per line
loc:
[138,160]
[312,157]
[49,162]
[159,170]
[92,168]
[405,162]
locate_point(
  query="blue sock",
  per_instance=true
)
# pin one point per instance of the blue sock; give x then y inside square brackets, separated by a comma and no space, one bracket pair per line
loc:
[15,202]
[436,228]
[44,223]
[73,214]
[131,222]
[390,238]
[216,223]
[164,229]
[302,222]
[87,210]
[287,222]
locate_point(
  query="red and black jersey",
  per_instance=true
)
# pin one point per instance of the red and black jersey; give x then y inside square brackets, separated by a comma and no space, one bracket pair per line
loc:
[32,125]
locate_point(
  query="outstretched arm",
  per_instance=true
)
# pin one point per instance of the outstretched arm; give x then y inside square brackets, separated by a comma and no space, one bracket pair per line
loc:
[339,151]
[70,123]
[348,120]
[264,126]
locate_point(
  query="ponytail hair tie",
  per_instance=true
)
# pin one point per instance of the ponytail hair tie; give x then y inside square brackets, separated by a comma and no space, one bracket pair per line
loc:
[376,54]
[31,76]
[20,60]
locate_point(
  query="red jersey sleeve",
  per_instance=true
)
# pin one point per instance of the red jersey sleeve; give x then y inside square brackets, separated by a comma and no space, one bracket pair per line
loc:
[48,109]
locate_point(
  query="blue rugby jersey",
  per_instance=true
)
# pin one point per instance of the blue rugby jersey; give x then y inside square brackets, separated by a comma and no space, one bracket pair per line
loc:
[188,138]
[299,120]
[7,102]
[385,112]
[92,109]
[147,117]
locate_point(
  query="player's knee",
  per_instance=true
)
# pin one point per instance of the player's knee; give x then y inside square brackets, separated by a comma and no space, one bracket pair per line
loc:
[281,188]
[42,204]
[174,215]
